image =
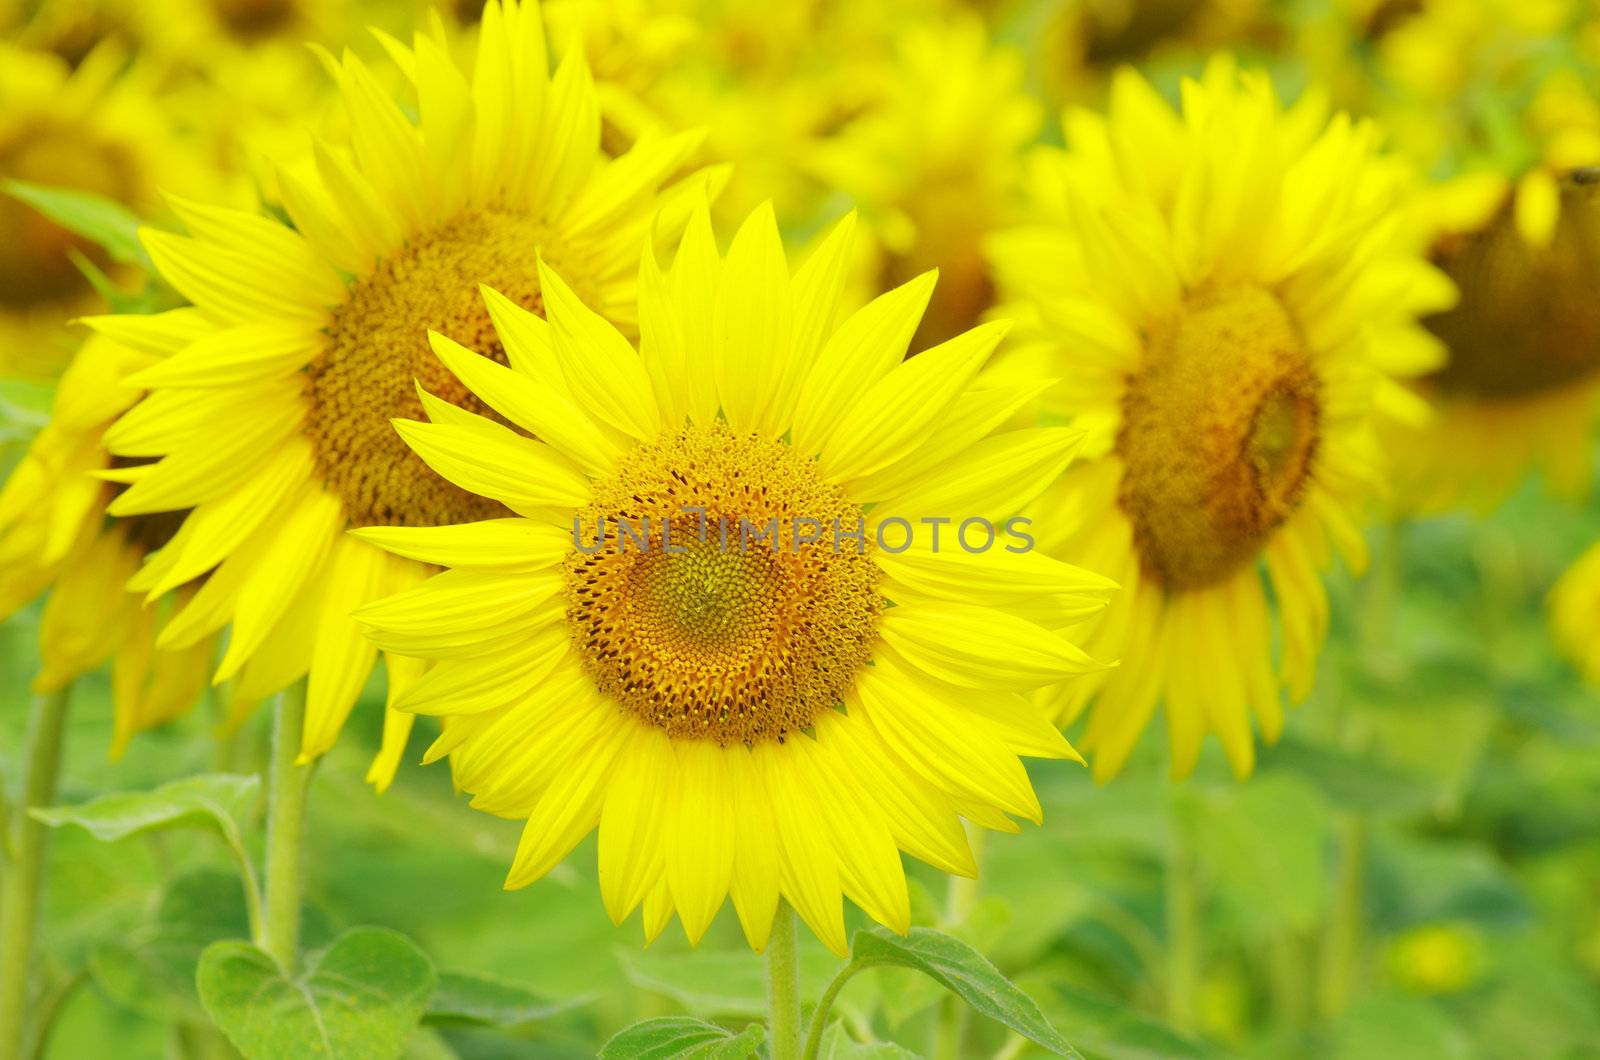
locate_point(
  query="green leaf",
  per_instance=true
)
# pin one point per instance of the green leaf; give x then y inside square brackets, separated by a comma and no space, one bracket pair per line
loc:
[837,1044]
[95,218]
[1105,1029]
[153,973]
[214,800]
[359,999]
[964,972]
[24,408]
[471,999]
[682,1038]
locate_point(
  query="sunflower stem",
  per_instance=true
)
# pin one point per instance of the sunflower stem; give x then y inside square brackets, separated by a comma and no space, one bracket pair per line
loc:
[287,784]
[24,867]
[1343,943]
[783,987]
[1183,926]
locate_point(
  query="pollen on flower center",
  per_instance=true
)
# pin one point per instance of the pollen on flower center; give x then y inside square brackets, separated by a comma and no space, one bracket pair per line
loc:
[729,626]
[377,351]
[1527,321]
[1219,431]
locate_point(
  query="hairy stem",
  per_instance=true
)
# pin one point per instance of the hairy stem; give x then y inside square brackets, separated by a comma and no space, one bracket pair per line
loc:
[24,867]
[783,987]
[286,812]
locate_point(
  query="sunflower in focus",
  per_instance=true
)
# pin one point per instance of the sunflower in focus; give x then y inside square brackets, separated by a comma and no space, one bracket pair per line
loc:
[934,165]
[1516,224]
[55,534]
[268,416]
[760,717]
[1227,296]
[98,129]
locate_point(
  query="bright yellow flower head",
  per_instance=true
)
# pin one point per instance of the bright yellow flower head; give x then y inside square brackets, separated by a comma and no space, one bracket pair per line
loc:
[96,128]
[934,164]
[1517,226]
[760,716]
[269,413]
[54,535]
[1522,387]
[1227,302]
[1081,40]
[766,81]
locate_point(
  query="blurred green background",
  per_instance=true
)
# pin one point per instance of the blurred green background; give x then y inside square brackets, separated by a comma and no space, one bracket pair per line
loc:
[1413,872]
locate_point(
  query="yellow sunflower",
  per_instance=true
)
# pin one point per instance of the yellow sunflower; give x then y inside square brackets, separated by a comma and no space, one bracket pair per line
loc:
[54,534]
[766,81]
[934,164]
[269,413]
[1224,293]
[1519,233]
[97,128]
[1575,614]
[1079,40]
[792,681]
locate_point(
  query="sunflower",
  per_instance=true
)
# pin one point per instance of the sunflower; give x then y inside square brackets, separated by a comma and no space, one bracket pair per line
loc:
[1575,614]
[54,534]
[1227,297]
[1079,40]
[1519,232]
[268,415]
[182,32]
[97,128]
[792,682]
[934,164]
[767,82]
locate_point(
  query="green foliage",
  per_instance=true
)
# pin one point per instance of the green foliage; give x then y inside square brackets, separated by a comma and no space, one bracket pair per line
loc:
[963,971]
[153,972]
[478,1000]
[212,800]
[682,1038]
[96,218]
[725,984]
[359,999]
[836,1044]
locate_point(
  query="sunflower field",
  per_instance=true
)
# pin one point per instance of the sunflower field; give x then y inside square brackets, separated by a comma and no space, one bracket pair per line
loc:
[807,529]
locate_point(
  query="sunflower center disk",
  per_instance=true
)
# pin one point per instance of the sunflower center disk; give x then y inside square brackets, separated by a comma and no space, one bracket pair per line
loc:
[1219,430]
[1528,320]
[34,263]
[740,625]
[251,20]
[377,350]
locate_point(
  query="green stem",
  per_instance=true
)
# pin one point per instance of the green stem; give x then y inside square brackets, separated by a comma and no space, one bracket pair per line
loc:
[961,895]
[783,987]
[1183,930]
[819,1017]
[286,813]
[1343,943]
[24,868]
[247,880]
